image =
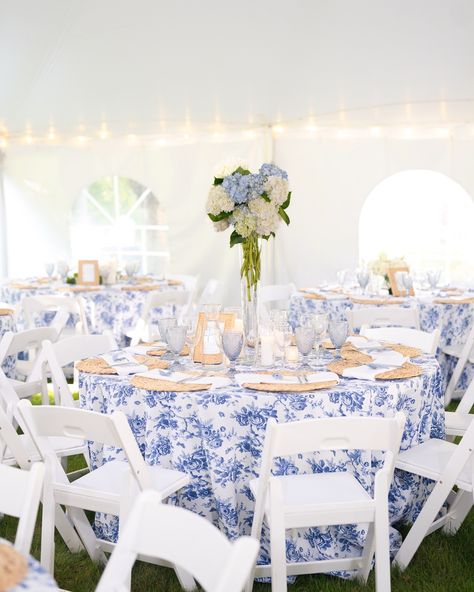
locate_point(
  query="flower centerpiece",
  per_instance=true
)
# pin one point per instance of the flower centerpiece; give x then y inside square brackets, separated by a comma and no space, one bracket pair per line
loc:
[381,266]
[253,205]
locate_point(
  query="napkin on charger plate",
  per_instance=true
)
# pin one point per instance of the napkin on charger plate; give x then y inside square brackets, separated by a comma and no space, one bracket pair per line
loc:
[277,378]
[143,349]
[383,361]
[187,378]
[327,295]
[362,343]
[123,363]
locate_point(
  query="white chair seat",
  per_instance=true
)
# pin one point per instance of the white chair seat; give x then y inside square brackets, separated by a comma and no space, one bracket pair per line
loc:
[111,477]
[61,445]
[303,493]
[457,423]
[430,459]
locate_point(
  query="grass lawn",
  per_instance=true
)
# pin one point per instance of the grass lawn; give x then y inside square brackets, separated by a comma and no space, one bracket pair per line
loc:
[442,564]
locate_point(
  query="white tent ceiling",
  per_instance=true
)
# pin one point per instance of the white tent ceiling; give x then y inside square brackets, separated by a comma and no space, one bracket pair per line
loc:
[136,64]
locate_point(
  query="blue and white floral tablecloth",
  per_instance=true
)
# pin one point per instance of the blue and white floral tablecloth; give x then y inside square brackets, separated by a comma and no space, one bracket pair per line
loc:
[453,320]
[217,438]
[37,579]
[113,308]
[7,323]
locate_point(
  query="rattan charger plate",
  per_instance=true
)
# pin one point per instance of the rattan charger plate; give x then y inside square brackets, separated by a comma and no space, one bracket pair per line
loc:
[312,295]
[406,371]
[157,352]
[142,288]
[100,366]
[5,312]
[304,387]
[453,301]
[163,385]
[13,567]
[351,353]
[376,301]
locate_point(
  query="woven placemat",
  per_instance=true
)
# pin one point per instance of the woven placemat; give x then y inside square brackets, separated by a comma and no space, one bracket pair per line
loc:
[376,301]
[349,353]
[290,388]
[405,350]
[78,288]
[100,366]
[163,385]
[174,282]
[142,288]
[406,371]
[312,295]
[453,301]
[5,311]
[159,352]
[13,567]
[24,286]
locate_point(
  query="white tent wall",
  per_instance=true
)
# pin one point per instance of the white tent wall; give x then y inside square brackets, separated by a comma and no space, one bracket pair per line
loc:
[330,180]
[42,183]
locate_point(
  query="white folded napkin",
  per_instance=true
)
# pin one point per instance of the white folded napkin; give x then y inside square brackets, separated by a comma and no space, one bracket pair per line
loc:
[365,372]
[388,357]
[123,363]
[328,295]
[142,350]
[363,343]
[277,378]
[187,378]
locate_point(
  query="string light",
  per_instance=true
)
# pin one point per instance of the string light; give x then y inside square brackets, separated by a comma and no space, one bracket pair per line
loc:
[29,139]
[408,133]
[278,129]
[342,134]
[3,142]
[82,139]
[51,134]
[375,131]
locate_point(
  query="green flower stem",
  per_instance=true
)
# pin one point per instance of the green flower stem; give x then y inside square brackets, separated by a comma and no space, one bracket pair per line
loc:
[250,263]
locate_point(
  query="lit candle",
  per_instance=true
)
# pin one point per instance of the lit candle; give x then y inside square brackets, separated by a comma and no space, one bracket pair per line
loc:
[291,354]
[239,325]
[266,350]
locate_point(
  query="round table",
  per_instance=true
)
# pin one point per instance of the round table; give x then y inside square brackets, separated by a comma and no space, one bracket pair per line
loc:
[114,308]
[453,320]
[217,438]
[7,323]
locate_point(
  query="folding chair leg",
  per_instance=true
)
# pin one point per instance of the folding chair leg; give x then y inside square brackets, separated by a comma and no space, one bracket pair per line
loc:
[382,546]
[458,511]
[185,579]
[47,531]
[367,554]
[278,553]
[67,532]
[87,535]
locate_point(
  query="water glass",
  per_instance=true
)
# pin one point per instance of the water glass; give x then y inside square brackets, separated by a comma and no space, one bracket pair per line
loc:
[408,283]
[320,326]
[232,343]
[338,331]
[304,342]
[63,269]
[163,324]
[176,338]
[49,267]
[433,276]
[363,277]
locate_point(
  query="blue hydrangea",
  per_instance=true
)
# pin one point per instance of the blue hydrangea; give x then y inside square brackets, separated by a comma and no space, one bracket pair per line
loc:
[256,183]
[271,170]
[237,186]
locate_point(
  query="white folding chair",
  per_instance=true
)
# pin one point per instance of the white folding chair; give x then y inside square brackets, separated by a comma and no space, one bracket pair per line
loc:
[20,495]
[465,354]
[210,293]
[181,537]
[175,298]
[61,306]
[321,499]
[427,342]
[29,341]
[56,356]
[383,316]
[450,466]
[457,422]
[276,293]
[106,489]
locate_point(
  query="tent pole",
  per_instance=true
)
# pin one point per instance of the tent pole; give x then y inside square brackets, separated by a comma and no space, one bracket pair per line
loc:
[3,221]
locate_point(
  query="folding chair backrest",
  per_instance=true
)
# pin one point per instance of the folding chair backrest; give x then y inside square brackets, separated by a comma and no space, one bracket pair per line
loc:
[467,401]
[210,292]
[20,495]
[8,397]
[460,364]
[79,347]
[63,306]
[171,533]
[180,298]
[9,439]
[427,342]
[383,316]
[44,421]
[31,339]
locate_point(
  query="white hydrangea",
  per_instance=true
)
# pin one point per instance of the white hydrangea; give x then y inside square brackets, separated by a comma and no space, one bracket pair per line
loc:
[218,201]
[227,168]
[266,215]
[244,222]
[221,225]
[277,189]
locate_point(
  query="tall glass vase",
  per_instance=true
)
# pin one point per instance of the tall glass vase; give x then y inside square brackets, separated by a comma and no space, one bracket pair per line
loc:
[250,278]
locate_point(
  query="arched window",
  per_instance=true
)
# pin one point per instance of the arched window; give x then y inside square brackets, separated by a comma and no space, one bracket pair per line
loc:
[423,216]
[119,217]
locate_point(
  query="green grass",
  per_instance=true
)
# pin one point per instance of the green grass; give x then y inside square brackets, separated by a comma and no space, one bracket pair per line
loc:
[442,564]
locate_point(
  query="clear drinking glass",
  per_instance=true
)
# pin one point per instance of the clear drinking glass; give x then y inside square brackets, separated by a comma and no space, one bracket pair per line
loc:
[338,331]
[176,337]
[433,276]
[232,343]
[363,277]
[63,269]
[304,342]
[320,326]
[408,283]
[49,268]
[163,324]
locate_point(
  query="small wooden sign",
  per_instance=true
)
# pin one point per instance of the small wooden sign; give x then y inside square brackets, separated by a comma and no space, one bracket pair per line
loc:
[225,318]
[396,283]
[88,273]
